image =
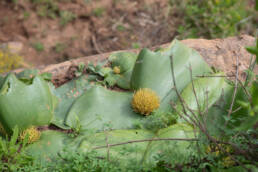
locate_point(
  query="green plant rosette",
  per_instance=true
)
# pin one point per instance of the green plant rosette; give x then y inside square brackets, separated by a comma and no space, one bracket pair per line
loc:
[124,61]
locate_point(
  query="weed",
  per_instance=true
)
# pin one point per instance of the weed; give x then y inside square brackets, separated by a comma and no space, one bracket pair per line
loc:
[156,121]
[120,28]
[15,1]
[59,47]
[80,70]
[26,15]
[46,8]
[77,129]
[136,45]
[66,17]
[38,46]
[213,19]
[98,12]
[11,153]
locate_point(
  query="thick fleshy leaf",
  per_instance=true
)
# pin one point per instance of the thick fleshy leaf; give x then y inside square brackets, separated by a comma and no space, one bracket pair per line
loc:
[124,60]
[123,80]
[124,152]
[153,70]
[98,107]
[27,75]
[208,90]
[140,152]
[25,104]
[50,143]
[216,114]
[67,94]
[180,149]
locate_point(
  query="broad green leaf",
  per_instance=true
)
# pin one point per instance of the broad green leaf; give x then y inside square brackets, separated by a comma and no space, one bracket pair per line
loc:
[181,149]
[98,107]
[46,149]
[140,152]
[25,105]
[208,90]
[27,75]
[67,94]
[123,80]
[122,153]
[153,70]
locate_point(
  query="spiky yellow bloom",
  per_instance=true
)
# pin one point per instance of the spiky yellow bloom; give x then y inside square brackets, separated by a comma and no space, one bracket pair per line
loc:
[33,134]
[116,70]
[145,101]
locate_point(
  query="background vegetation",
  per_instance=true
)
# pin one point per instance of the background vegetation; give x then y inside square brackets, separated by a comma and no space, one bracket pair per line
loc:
[179,19]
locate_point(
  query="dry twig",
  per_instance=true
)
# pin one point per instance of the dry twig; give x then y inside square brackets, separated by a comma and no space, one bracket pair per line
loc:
[147,140]
[235,90]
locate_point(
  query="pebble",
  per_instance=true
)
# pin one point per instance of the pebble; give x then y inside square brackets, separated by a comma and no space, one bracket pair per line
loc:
[13,47]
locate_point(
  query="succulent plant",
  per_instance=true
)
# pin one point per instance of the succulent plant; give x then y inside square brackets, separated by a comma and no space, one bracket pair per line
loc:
[33,134]
[99,108]
[145,101]
[116,70]
[125,60]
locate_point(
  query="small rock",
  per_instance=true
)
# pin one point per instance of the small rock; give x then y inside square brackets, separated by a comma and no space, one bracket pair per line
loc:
[13,47]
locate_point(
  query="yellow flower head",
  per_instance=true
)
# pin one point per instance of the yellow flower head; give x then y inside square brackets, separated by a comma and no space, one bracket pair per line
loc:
[116,70]
[145,101]
[33,134]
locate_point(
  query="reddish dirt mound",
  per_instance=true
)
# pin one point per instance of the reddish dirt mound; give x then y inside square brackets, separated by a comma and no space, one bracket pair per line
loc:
[95,27]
